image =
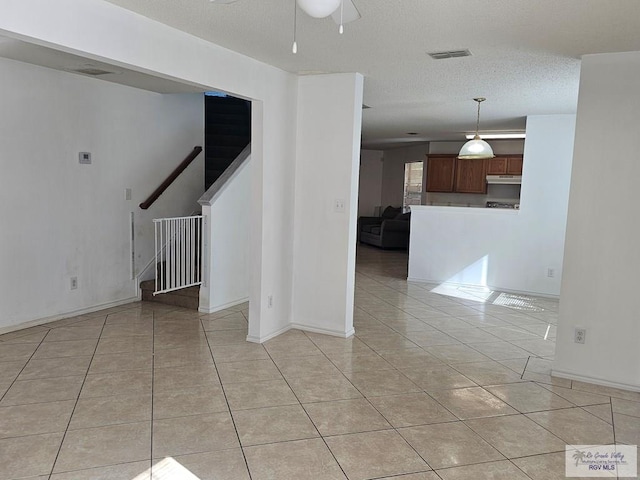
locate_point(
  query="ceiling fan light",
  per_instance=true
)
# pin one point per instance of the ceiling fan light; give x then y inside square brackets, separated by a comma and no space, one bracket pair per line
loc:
[319,8]
[476,149]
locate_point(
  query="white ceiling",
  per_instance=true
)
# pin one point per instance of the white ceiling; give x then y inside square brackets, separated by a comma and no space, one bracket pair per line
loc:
[526,54]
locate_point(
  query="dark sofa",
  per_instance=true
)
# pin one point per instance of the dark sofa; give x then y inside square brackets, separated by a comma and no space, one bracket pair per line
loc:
[391,230]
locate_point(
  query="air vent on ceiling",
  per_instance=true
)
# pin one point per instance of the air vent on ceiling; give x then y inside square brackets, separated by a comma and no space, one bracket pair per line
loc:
[450,54]
[88,70]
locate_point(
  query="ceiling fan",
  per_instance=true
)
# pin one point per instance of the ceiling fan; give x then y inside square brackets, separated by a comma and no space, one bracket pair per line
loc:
[342,11]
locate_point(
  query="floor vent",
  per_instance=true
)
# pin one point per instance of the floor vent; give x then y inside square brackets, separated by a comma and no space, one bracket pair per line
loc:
[450,54]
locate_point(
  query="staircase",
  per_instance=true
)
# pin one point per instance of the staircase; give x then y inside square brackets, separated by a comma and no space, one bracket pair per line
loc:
[227,132]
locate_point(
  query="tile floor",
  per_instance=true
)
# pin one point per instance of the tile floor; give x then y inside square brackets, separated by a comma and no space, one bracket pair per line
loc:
[438,383]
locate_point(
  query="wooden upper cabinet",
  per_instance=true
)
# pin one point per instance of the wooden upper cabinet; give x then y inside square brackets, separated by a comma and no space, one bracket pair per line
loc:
[497,166]
[505,165]
[440,173]
[471,176]
[514,165]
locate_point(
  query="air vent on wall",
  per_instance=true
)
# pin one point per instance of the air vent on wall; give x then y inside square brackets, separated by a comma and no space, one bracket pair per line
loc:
[450,54]
[90,70]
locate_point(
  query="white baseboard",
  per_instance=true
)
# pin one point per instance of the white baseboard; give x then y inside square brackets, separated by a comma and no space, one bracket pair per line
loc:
[498,289]
[253,339]
[217,308]
[83,311]
[324,331]
[595,380]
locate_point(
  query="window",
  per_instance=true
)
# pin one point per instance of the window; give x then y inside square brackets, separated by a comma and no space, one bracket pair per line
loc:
[412,184]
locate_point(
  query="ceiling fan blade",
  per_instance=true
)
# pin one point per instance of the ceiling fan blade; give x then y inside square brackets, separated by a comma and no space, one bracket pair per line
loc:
[350,13]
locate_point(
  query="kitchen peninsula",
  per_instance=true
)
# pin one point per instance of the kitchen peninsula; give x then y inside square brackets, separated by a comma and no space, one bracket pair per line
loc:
[504,249]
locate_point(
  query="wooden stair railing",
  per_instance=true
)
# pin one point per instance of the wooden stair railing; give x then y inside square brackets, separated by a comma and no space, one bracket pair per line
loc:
[170,179]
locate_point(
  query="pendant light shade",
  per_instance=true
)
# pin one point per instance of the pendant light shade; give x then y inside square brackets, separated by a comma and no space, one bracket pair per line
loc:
[319,8]
[476,148]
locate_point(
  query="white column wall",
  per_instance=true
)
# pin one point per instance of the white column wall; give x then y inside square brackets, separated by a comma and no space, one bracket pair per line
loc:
[602,254]
[99,30]
[328,151]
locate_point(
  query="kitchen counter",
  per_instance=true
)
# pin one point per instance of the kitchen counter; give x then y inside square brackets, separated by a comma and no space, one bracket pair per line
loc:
[475,210]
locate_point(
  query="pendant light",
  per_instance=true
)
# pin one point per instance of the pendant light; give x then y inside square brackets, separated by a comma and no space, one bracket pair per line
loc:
[476,148]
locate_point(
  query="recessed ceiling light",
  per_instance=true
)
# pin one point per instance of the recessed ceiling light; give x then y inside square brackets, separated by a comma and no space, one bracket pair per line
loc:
[497,136]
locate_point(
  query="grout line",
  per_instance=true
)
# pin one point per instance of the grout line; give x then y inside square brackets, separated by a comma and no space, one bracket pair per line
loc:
[75,405]
[22,369]
[224,393]
[153,376]
[305,410]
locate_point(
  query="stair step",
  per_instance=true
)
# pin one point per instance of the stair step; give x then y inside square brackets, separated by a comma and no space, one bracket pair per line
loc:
[186,298]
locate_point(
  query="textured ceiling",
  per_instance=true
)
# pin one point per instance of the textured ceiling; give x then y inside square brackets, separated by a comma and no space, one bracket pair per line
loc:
[526,54]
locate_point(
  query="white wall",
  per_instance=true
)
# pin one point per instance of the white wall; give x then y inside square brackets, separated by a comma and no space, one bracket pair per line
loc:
[227,243]
[502,249]
[393,171]
[120,37]
[602,258]
[60,219]
[328,152]
[370,183]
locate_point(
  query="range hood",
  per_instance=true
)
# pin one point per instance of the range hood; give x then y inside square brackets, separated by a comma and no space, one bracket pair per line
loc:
[504,179]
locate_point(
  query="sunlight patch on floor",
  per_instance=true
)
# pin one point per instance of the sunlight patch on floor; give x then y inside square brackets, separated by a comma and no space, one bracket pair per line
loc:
[167,469]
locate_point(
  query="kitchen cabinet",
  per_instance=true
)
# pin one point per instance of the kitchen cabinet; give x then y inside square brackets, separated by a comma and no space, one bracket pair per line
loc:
[505,165]
[497,166]
[440,173]
[514,165]
[471,176]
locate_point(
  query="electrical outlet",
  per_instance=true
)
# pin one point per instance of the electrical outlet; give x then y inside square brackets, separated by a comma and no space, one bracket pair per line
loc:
[270,301]
[73,283]
[551,272]
[338,205]
[580,335]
